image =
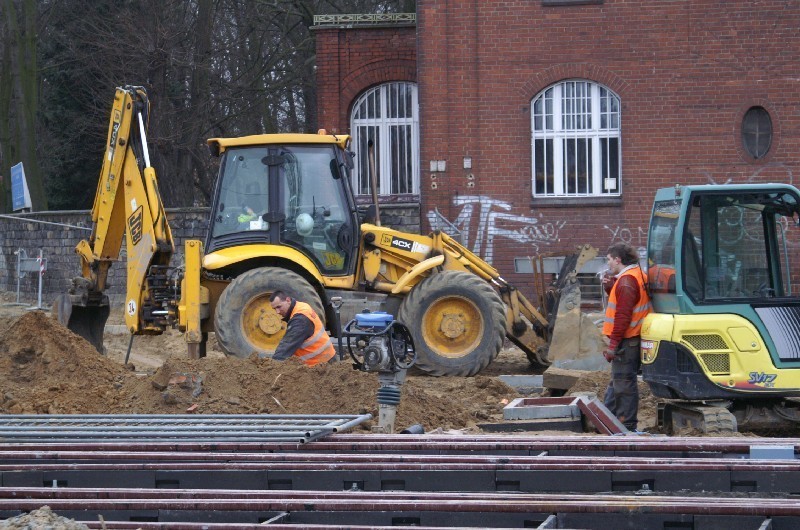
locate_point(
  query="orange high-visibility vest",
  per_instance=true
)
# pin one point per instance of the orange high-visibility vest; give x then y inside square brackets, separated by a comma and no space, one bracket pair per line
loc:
[639,312]
[318,347]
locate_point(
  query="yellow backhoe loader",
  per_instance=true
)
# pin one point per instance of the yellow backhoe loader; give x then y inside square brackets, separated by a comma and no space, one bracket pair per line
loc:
[284,217]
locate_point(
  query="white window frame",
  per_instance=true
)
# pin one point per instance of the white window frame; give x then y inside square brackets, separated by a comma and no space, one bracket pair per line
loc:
[594,134]
[383,159]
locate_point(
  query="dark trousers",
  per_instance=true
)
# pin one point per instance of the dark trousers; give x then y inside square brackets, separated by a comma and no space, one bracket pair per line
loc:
[622,395]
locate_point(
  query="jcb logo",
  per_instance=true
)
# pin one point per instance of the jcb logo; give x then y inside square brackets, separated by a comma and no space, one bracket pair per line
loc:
[135,226]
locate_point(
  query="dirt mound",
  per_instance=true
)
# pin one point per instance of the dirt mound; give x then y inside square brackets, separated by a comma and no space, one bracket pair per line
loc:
[41,518]
[45,368]
[264,386]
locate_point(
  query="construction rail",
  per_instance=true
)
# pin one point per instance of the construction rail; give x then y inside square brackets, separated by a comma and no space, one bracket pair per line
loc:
[403,472]
[374,481]
[391,509]
[654,446]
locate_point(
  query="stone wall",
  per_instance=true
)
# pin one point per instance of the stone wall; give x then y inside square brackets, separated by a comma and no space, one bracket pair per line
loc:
[57,234]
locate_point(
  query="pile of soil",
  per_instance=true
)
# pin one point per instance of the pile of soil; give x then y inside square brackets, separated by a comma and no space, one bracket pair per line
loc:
[47,369]
[41,518]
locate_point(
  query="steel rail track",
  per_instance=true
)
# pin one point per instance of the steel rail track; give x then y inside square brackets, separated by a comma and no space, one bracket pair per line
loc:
[735,447]
[601,511]
[412,472]
[47,460]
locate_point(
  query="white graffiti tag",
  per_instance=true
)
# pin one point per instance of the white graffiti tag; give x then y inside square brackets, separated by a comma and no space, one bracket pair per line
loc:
[493,224]
[631,236]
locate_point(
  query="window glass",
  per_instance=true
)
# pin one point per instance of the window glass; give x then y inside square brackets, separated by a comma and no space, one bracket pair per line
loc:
[243,192]
[738,246]
[575,141]
[757,132]
[387,118]
[661,247]
[315,206]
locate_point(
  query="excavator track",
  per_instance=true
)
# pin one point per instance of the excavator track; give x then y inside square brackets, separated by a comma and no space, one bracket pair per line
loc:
[676,417]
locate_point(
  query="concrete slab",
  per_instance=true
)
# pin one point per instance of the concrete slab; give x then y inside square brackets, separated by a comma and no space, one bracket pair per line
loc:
[524,384]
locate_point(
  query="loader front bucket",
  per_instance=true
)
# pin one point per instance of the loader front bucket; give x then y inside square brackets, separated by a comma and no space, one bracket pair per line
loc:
[83,317]
[575,341]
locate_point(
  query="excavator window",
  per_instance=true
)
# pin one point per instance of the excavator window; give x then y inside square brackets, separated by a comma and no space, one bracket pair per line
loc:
[315,207]
[661,247]
[243,193]
[736,246]
[290,195]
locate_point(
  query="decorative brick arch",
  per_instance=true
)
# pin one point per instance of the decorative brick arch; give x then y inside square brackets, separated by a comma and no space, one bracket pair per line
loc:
[370,75]
[591,72]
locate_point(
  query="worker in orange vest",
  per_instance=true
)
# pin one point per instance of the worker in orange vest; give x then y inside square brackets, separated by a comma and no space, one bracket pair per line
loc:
[628,304]
[305,335]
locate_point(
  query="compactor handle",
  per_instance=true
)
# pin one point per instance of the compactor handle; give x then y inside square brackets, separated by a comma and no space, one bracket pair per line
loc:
[336,304]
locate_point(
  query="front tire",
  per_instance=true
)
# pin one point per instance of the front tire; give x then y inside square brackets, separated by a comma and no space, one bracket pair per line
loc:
[244,320]
[457,321]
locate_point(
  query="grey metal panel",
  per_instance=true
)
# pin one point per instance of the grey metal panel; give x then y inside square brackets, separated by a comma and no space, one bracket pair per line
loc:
[783,325]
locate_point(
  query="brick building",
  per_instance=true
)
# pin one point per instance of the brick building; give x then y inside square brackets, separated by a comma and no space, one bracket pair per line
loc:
[537,125]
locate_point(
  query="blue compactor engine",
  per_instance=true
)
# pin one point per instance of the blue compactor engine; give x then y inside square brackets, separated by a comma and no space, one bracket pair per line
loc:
[376,342]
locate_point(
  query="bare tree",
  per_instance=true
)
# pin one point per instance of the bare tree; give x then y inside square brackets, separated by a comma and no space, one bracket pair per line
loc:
[211,67]
[20,85]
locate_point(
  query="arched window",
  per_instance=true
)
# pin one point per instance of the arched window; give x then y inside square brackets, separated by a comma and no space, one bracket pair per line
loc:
[388,115]
[576,147]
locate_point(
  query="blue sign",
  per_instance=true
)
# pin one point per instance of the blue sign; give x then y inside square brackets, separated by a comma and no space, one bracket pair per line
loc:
[20,196]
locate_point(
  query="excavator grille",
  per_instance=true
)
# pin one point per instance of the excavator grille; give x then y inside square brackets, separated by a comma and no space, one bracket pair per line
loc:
[717,363]
[705,342]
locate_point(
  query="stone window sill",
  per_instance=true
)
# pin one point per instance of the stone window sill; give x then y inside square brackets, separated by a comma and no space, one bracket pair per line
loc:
[571,202]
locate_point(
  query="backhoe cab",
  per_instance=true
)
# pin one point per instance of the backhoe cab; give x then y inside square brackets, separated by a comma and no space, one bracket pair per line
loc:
[724,273]
[284,217]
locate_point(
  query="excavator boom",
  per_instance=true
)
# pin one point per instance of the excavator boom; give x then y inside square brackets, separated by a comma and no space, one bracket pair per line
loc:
[127,205]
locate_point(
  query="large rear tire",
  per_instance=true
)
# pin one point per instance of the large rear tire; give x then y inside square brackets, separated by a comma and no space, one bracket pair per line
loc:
[244,320]
[457,321]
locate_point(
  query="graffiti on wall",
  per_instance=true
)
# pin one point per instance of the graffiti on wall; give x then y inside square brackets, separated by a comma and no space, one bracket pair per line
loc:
[754,178]
[632,236]
[482,220]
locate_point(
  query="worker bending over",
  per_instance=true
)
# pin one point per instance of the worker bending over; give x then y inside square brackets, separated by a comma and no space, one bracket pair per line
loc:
[628,304]
[305,335]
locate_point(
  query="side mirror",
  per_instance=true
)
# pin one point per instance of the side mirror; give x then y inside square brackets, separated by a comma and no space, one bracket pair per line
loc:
[334,167]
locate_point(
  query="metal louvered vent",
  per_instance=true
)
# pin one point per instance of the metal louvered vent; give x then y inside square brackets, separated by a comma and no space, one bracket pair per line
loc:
[717,363]
[705,342]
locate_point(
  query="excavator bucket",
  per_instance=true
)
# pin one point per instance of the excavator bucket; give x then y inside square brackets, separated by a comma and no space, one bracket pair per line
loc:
[83,317]
[575,341]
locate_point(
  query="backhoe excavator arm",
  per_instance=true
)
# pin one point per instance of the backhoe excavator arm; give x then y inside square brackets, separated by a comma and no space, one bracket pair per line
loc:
[127,204]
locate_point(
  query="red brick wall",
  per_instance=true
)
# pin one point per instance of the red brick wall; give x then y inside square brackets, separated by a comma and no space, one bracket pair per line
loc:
[685,72]
[349,61]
